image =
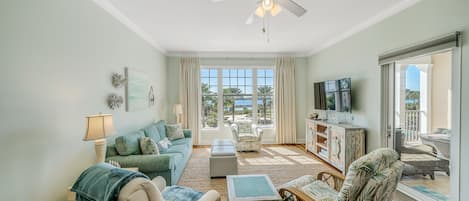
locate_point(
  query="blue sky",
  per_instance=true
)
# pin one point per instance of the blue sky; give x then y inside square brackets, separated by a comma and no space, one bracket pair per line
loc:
[412,78]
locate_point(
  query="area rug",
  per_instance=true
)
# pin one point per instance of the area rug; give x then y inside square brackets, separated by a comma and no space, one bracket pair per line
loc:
[430,193]
[281,163]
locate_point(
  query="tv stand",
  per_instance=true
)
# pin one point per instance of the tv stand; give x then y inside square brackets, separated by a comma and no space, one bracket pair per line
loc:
[337,144]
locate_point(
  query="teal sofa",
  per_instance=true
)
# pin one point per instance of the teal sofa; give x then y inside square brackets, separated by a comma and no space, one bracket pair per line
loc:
[169,163]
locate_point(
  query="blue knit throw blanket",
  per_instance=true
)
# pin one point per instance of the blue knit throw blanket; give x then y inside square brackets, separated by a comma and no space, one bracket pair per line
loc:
[102,182]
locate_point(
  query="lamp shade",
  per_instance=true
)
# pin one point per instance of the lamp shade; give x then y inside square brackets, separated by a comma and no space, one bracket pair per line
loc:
[177,109]
[98,127]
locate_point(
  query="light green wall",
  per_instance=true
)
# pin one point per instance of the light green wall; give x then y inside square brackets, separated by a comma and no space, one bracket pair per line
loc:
[300,71]
[56,59]
[357,57]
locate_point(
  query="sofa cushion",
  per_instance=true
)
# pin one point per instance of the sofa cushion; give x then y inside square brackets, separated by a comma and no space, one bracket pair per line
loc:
[160,125]
[180,148]
[129,144]
[148,146]
[186,141]
[174,131]
[152,132]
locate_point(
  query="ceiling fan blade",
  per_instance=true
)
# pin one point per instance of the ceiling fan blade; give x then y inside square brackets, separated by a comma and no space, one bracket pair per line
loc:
[293,7]
[251,19]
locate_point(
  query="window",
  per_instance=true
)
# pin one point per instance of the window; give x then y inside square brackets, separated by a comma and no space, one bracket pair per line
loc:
[247,97]
[209,82]
[265,94]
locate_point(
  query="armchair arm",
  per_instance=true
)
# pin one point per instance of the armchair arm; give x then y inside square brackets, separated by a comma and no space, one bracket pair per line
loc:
[187,133]
[295,192]
[159,182]
[334,180]
[139,189]
[257,131]
[211,195]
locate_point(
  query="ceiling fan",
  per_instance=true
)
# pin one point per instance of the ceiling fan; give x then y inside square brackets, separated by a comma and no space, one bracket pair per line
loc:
[274,7]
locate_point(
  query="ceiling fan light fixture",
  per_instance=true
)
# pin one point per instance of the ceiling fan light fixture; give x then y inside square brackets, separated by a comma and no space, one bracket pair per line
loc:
[276,10]
[267,4]
[260,12]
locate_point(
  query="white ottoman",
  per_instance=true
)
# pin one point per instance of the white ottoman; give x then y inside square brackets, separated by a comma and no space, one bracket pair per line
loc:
[224,142]
[223,160]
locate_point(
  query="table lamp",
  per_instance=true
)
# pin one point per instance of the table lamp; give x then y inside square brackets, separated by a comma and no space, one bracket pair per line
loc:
[98,128]
[177,109]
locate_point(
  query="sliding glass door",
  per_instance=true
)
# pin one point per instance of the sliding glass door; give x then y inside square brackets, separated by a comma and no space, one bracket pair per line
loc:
[420,119]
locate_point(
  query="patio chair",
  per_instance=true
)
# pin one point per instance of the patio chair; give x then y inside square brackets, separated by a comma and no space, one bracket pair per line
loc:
[247,141]
[421,159]
[372,177]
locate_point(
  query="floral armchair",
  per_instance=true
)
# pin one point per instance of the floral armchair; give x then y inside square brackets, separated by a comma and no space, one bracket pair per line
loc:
[247,141]
[372,177]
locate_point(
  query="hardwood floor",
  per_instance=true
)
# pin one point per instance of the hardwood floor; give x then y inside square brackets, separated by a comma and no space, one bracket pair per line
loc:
[282,163]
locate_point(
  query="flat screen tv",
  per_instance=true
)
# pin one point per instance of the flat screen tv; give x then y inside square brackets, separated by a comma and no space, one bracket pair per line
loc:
[333,95]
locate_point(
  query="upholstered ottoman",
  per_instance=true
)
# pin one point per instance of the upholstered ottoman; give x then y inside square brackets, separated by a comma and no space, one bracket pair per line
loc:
[223,142]
[223,160]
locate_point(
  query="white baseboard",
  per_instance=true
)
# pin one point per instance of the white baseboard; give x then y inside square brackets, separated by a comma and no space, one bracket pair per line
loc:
[300,141]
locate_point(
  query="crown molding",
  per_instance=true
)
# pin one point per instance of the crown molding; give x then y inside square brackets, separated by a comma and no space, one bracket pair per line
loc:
[235,54]
[116,13]
[366,24]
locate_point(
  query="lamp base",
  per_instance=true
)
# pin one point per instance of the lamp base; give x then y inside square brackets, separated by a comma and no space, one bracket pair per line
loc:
[178,119]
[100,148]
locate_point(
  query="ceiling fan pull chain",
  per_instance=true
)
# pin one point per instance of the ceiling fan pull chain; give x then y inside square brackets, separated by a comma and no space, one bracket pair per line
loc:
[268,29]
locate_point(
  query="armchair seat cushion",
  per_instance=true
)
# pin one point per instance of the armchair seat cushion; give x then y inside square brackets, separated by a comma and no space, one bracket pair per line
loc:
[298,182]
[320,191]
[247,138]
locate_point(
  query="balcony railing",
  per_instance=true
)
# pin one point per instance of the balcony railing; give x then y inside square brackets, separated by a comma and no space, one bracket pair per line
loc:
[412,126]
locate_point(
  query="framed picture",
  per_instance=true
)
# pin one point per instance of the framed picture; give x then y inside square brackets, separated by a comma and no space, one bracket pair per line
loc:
[137,91]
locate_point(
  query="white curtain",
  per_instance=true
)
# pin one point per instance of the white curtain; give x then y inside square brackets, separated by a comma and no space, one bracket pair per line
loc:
[285,114]
[189,95]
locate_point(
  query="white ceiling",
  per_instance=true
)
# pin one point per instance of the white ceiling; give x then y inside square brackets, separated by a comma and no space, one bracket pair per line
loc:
[201,26]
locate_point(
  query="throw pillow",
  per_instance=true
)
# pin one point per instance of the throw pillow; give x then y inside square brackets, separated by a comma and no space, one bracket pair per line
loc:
[111,151]
[148,146]
[163,145]
[174,131]
[128,144]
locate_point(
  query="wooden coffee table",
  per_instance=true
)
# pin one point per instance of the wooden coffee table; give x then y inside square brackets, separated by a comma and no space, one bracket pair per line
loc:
[251,187]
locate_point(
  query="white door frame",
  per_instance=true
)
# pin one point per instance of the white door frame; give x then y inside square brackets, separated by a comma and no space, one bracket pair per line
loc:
[387,122]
